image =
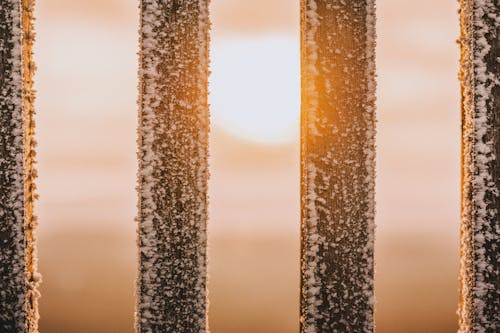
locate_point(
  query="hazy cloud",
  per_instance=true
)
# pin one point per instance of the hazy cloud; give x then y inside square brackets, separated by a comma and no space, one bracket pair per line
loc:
[255,16]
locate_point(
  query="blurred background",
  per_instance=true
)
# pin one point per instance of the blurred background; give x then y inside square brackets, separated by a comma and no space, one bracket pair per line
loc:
[86,104]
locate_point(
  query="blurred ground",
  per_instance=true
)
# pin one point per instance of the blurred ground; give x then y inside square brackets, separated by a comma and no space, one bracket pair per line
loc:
[88,284]
[87,239]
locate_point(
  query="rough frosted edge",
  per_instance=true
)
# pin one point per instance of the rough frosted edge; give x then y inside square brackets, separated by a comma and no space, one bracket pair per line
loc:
[203,112]
[13,314]
[484,154]
[137,322]
[311,49]
[312,285]
[17,194]
[467,106]
[148,97]
[33,277]
[369,151]
[312,252]
[478,186]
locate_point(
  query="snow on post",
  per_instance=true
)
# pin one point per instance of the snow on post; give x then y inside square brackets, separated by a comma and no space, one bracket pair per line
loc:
[173,173]
[337,165]
[479,308]
[18,264]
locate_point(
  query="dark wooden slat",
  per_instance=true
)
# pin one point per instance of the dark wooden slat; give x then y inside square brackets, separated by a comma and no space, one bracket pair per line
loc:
[18,276]
[479,308]
[337,165]
[173,172]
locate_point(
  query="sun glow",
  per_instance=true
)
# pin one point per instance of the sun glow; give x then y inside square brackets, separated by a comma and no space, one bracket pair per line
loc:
[255,87]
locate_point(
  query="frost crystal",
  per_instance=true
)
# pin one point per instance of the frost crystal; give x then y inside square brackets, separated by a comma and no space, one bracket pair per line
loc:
[337,165]
[479,308]
[18,264]
[173,172]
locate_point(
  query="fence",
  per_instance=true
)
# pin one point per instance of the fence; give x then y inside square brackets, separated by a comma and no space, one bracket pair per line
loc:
[337,166]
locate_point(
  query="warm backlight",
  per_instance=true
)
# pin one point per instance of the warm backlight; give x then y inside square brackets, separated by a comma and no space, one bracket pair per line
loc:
[255,87]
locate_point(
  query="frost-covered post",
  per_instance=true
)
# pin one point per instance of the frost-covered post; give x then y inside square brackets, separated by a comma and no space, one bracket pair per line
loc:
[337,165]
[18,267]
[173,172]
[479,308]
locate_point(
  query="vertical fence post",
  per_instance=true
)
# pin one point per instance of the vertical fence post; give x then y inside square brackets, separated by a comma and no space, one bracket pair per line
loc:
[479,308]
[337,165]
[18,267]
[173,172]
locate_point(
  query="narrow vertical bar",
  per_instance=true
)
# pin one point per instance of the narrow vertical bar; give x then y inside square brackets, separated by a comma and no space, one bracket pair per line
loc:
[18,266]
[173,173]
[479,307]
[337,165]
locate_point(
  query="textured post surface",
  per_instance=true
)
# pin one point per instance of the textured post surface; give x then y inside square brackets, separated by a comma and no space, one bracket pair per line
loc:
[479,308]
[18,277]
[337,165]
[173,173]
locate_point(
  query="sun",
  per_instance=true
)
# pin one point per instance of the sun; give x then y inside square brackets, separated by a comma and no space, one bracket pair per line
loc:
[255,87]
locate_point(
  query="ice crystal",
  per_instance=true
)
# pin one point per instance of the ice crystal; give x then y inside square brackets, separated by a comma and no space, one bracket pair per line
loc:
[479,309]
[338,165]
[173,172]
[19,278]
